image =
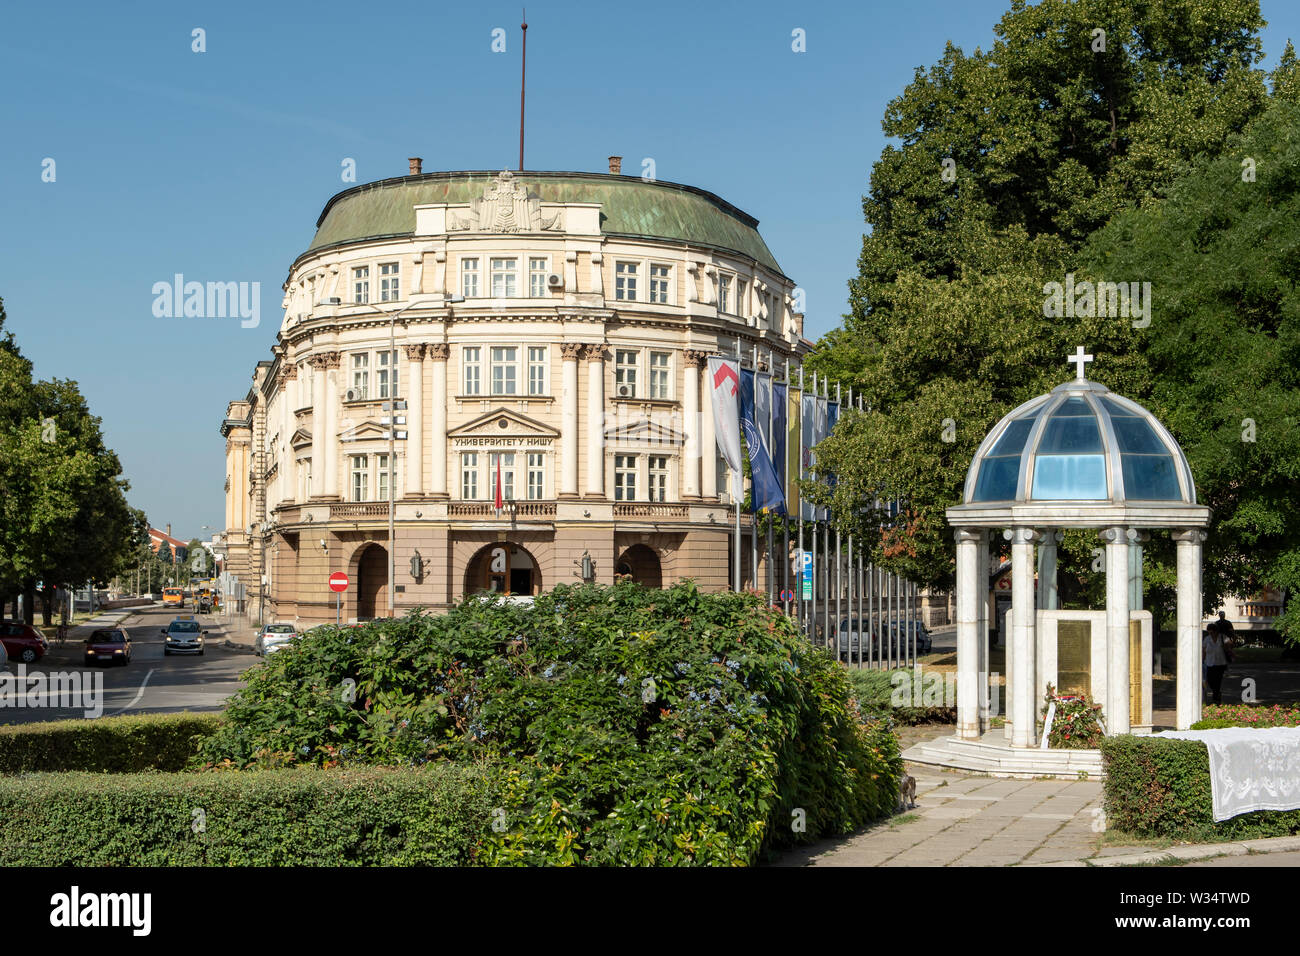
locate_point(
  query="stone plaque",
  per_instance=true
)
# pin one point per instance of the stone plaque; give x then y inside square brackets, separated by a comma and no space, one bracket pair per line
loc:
[1074,657]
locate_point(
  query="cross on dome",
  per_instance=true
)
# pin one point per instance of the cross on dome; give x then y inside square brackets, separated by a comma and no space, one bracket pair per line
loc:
[1080,360]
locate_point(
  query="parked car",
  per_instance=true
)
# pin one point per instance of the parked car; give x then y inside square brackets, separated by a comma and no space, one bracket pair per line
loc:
[923,642]
[183,636]
[273,637]
[111,644]
[23,642]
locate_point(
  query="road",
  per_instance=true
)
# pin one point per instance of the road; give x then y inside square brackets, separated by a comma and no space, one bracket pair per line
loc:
[151,683]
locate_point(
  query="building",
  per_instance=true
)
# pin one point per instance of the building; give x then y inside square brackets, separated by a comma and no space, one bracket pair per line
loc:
[545,331]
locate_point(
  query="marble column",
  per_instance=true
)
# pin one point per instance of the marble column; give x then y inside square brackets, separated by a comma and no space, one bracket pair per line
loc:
[319,425]
[1188,686]
[968,595]
[330,485]
[1047,599]
[595,421]
[691,414]
[1117,631]
[287,484]
[569,420]
[438,439]
[414,421]
[1023,692]
[982,633]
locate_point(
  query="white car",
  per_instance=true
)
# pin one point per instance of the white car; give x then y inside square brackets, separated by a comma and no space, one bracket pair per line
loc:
[273,637]
[183,636]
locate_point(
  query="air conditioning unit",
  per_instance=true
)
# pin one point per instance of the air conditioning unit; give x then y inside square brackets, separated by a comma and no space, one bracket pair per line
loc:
[353,395]
[555,281]
[626,391]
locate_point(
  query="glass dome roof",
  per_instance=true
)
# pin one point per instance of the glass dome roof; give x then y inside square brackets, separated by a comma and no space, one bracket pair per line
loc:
[1079,443]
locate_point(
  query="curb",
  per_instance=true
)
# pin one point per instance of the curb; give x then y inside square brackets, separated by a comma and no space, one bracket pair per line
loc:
[1199,851]
[233,646]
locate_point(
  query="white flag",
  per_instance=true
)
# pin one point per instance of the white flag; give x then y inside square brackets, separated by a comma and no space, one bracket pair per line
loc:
[724,386]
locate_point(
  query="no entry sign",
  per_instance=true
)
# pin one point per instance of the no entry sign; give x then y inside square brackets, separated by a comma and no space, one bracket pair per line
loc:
[338,581]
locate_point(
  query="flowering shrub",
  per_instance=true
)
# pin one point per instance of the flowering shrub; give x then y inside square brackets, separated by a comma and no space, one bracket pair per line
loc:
[1076,725]
[1214,716]
[624,725]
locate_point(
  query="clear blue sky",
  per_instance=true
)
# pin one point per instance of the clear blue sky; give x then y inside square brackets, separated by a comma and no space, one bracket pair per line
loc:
[216,165]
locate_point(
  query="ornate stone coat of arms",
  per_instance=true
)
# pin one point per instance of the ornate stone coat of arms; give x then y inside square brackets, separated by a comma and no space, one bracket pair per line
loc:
[505,206]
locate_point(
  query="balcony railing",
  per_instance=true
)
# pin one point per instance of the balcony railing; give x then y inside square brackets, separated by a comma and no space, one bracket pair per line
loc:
[513,509]
[647,510]
[360,509]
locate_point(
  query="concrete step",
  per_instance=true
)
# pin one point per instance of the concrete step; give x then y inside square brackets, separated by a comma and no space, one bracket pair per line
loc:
[984,756]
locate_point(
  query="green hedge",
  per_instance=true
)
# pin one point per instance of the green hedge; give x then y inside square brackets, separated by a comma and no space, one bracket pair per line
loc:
[874,691]
[1160,787]
[128,744]
[302,817]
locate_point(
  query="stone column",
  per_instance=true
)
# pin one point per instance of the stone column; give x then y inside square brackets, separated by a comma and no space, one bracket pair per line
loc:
[982,632]
[414,421]
[1023,692]
[319,425]
[595,421]
[1117,631]
[1188,687]
[438,466]
[569,421]
[330,484]
[968,592]
[691,414]
[288,484]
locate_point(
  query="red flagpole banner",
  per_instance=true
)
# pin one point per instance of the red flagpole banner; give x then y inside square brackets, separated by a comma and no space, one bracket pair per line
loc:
[499,503]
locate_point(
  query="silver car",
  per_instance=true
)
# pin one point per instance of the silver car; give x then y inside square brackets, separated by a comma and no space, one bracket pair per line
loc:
[273,637]
[183,636]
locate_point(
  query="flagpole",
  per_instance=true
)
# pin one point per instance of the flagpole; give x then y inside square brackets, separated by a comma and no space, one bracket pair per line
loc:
[785,487]
[826,532]
[816,576]
[771,444]
[853,627]
[753,487]
[737,488]
[803,608]
[839,554]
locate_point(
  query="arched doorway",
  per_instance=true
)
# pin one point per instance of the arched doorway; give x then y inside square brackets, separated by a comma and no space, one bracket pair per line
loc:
[642,564]
[503,568]
[372,582]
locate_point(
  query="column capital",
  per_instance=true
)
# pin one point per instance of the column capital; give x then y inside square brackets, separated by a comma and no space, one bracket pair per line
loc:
[1116,535]
[695,357]
[1022,536]
[570,351]
[326,360]
[438,351]
[1189,536]
[968,534]
[415,353]
[595,354]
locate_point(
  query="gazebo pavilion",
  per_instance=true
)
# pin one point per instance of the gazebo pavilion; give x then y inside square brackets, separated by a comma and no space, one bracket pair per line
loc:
[1078,457]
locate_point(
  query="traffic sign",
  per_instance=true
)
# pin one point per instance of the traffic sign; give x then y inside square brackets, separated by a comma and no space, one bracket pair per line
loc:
[806,559]
[787,595]
[338,582]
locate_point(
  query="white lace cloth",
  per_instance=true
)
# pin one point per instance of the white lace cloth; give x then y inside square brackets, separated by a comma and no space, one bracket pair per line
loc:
[1251,768]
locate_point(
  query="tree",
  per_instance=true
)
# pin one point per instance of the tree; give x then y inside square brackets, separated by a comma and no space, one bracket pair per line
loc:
[1049,137]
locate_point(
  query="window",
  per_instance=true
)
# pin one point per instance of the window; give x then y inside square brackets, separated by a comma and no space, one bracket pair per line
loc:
[536,477]
[537,278]
[503,370]
[473,361]
[659,375]
[361,284]
[386,373]
[625,477]
[360,375]
[384,475]
[503,278]
[625,280]
[469,475]
[724,293]
[469,278]
[390,282]
[507,460]
[537,371]
[625,363]
[659,276]
[658,478]
[360,478]
[741,286]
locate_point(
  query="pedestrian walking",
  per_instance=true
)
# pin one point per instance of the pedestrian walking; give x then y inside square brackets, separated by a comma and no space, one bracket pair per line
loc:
[1216,652]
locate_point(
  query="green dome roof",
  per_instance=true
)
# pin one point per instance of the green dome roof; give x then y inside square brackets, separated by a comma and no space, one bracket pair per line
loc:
[630,207]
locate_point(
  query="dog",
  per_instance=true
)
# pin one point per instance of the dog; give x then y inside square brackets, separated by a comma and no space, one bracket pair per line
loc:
[907,792]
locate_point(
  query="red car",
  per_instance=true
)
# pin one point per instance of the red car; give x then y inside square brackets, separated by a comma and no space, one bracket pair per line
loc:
[23,642]
[111,644]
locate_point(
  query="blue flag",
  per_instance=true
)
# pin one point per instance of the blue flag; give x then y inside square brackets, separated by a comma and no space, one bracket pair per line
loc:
[767,490]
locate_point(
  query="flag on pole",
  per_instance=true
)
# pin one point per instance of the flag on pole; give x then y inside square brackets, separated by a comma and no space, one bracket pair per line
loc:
[498,501]
[808,438]
[832,416]
[767,490]
[793,451]
[724,386]
[779,403]
[821,428]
